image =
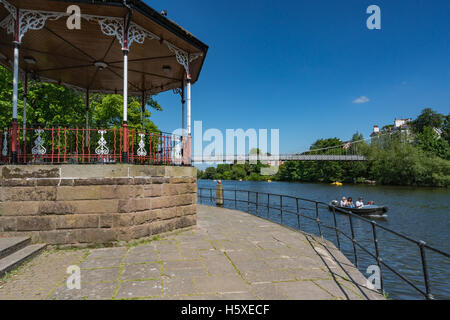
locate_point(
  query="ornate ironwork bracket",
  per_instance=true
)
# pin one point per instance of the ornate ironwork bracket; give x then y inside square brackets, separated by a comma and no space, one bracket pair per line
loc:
[38,148]
[12,9]
[141,152]
[35,20]
[110,26]
[138,34]
[8,24]
[5,144]
[102,149]
[177,150]
[183,57]
[177,91]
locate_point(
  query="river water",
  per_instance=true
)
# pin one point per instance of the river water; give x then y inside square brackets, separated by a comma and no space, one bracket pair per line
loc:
[420,213]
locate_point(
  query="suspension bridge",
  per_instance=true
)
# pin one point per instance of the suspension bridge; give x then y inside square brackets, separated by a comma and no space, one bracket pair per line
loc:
[347,151]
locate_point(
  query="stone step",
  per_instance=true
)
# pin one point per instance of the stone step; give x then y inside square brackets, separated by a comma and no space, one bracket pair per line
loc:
[11,245]
[17,258]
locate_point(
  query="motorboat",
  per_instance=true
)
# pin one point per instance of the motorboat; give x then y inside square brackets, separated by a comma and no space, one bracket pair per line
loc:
[366,210]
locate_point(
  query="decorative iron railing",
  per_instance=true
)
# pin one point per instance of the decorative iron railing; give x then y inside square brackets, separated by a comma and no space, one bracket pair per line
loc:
[264,204]
[56,145]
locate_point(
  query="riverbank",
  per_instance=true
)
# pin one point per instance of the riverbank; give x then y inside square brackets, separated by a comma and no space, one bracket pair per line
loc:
[217,259]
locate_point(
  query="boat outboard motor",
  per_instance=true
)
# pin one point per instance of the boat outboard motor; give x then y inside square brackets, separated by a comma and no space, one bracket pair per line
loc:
[335,203]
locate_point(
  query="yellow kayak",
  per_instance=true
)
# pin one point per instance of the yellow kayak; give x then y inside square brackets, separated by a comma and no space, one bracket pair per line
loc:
[337,183]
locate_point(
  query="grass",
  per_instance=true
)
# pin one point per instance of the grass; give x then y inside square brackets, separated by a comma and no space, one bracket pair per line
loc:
[136,243]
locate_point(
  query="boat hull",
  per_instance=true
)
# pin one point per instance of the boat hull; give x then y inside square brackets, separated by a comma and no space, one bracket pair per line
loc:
[365,211]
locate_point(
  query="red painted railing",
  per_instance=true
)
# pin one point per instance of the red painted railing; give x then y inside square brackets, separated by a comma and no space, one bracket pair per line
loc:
[51,145]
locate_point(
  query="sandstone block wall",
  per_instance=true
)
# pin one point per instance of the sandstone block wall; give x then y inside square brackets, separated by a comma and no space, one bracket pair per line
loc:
[89,204]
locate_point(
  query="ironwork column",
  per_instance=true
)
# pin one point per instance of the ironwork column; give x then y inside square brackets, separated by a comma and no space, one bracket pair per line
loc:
[125,94]
[15,89]
[24,129]
[86,143]
[144,96]
[188,104]
[188,142]
[183,102]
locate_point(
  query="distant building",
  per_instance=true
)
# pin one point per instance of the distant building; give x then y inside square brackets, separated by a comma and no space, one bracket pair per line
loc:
[376,131]
[402,124]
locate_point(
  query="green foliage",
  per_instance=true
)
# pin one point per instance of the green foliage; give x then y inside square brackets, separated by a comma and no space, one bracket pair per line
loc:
[326,143]
[244,171]
[238,172]
[209,173]
[430,142]
[53,105]
[404,164]
[398,158]
[446,128]
[428,118]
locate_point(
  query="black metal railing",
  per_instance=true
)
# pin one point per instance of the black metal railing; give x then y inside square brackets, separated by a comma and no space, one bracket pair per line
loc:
[265,203]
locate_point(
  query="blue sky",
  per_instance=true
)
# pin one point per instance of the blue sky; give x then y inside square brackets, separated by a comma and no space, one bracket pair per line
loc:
[298,66]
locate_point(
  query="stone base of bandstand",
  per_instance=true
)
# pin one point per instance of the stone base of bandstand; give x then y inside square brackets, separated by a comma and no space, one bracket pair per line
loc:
[95,204]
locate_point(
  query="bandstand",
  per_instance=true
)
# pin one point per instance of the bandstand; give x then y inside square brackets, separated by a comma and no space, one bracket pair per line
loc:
[66,185]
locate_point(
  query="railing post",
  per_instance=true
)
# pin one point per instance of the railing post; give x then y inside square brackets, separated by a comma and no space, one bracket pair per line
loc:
[210,195]
[377,253]
[353,240]
[425,271]
[235,199]
[219,195]
[318,220]
[336,229]
[268,205]
[298,213]
[256,203]
[281,208]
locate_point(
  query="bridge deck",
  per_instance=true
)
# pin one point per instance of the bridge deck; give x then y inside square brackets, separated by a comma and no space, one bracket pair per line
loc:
[282,157]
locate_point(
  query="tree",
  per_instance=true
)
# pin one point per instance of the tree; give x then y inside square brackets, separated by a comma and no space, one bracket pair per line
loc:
[357,136]
[209,173]
[107,113]
[430,142]
[428,118]
[325,143]
[238,172]
[52,105]
[222,168]
[446,128]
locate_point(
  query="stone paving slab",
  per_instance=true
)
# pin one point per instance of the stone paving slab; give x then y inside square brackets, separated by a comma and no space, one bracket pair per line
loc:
[228,255]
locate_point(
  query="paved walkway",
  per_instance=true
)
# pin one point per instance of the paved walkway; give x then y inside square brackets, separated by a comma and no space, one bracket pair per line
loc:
[229,255]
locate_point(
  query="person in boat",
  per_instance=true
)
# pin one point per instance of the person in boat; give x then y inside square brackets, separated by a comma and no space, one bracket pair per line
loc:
[343,202]
[359,203]
[350,203]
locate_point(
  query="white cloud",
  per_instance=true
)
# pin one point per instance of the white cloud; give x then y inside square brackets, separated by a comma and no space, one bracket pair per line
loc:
[362,99]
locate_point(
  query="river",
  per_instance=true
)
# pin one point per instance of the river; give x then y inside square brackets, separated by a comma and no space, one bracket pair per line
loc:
[421,213]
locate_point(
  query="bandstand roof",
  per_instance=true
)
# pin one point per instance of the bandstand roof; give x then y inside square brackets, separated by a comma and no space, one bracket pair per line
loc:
[159,48]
